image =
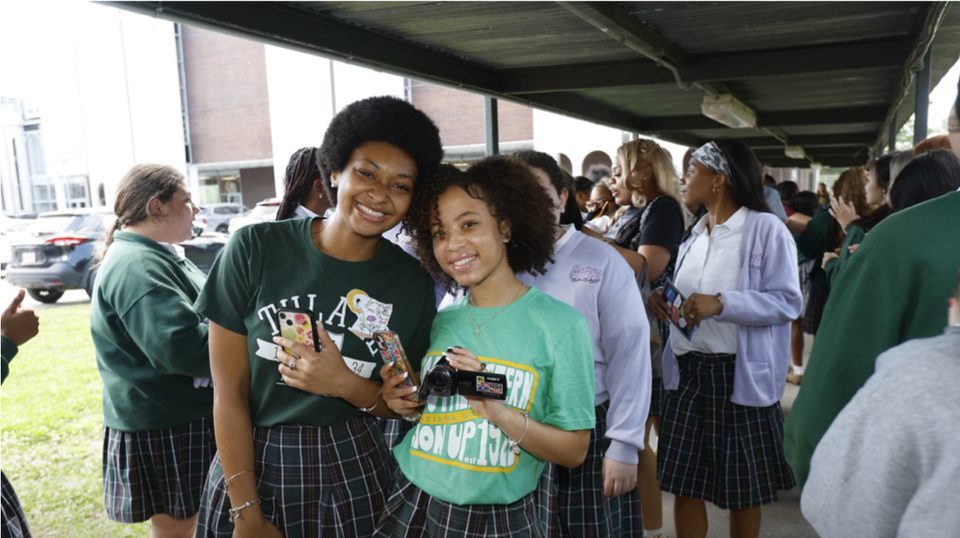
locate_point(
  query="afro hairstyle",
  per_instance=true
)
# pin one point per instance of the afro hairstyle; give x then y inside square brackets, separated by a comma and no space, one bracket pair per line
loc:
[379,119]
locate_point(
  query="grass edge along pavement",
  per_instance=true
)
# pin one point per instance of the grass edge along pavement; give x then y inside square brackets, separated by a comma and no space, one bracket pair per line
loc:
[52,429]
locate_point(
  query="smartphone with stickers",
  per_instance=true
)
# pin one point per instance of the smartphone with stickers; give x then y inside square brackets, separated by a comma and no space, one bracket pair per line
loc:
[297,325]
[391,350]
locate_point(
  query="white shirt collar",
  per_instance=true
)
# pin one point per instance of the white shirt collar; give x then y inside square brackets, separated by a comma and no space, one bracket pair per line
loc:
[565,238]
[306,212]
[734,223]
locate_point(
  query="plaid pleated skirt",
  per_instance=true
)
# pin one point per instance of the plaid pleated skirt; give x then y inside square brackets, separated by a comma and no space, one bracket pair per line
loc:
[412,513]
[14,520]
[819,292]
[570,502]
[713,449]
[394,430]
[656,398]
[156,471]
[313,481]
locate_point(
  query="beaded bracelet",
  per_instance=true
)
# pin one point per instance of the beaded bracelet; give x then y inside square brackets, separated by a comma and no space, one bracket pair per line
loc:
[235,512]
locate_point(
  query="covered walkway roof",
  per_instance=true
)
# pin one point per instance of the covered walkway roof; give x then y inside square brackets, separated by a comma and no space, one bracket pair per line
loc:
[828,76]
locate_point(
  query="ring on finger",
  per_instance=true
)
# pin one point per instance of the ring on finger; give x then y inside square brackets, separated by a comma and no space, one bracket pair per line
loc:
[293,364]
[483,367]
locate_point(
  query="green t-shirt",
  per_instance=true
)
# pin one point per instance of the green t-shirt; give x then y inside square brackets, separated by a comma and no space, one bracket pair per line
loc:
[276,265]
[545,349]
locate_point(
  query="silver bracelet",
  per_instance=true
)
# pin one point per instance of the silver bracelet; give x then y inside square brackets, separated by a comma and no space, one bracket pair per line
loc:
[515,445]
[372,407]
[235,512]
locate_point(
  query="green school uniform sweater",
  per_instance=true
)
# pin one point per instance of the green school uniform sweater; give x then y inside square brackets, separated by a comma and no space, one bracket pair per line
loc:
[150,343]
[894,289]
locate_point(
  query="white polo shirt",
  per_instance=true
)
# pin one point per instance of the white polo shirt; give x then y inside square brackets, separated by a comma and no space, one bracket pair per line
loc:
[711,266]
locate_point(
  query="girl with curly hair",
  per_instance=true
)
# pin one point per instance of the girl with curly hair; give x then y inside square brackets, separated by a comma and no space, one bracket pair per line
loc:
[471,465]
[300,450]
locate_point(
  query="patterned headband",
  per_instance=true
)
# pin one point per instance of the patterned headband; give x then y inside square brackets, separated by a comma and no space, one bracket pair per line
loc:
[710,156]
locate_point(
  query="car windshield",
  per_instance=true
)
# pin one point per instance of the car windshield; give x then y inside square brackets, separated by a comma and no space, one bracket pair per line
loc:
[92,223]
[51,225]
[264,211]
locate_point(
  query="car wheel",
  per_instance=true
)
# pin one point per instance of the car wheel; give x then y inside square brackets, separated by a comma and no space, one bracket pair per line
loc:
[46,295]
[223,228]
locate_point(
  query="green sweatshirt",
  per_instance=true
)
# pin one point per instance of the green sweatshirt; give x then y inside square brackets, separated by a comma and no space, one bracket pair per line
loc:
[150,343]
[815,239]
[894,289]
[855,235]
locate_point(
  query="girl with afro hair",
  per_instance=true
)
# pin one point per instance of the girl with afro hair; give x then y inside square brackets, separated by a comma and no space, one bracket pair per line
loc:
[301,451]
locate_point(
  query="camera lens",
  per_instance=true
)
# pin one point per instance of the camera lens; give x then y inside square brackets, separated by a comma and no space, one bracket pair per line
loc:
[440,381]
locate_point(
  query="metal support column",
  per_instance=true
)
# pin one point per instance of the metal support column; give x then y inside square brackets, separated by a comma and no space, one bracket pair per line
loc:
[922,100]
[892,134]
[491,128]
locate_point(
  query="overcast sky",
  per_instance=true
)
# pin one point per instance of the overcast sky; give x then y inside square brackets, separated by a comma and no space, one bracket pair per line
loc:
[33,30]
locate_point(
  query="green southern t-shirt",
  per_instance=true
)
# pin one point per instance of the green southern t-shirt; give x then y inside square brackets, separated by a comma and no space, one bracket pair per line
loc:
[275,265]
[544,348]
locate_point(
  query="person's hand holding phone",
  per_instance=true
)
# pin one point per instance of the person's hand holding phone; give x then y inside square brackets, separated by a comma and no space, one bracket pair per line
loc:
[657,303]
[319,372]
[700,306]
[394,392]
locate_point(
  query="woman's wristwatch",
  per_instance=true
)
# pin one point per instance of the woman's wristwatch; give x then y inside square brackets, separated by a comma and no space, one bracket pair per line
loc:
[722,304]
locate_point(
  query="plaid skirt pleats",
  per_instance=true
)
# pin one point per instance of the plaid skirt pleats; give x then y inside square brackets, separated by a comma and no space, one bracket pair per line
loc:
[570,502]
[412,513]
[713,449]
[394,430]
[656,398]
[329,481]
[819,292]
[14,520]
[156,471]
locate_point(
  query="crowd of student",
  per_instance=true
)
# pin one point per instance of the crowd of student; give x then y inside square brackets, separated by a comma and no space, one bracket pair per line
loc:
[640,302]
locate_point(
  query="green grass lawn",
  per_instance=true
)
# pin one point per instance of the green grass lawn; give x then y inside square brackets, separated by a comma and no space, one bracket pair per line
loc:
[51,420]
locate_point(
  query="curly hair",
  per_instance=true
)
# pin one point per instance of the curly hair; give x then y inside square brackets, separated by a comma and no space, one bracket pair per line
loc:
[379,119]
[514,196]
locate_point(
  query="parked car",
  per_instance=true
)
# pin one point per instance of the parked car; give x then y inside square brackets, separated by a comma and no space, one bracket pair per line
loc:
[264,211]
[202,249]
[11,230]
[217,217]
[56,252]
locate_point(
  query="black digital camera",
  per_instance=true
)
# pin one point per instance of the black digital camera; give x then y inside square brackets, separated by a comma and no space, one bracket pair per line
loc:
[445,380]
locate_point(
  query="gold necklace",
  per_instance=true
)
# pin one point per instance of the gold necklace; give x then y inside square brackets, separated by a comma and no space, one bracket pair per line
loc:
[477,325]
